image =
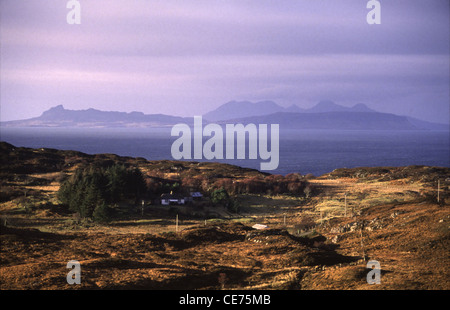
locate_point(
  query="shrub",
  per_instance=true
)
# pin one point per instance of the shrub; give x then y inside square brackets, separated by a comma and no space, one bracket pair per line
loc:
[307,191]
[234,206]
[220,197]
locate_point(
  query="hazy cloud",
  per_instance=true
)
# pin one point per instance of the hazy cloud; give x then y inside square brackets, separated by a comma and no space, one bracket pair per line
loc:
[188,57]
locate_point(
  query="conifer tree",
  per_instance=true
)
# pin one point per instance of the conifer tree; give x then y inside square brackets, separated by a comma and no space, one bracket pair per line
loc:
[91,190]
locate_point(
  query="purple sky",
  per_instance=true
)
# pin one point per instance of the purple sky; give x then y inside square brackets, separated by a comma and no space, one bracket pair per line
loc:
[188,57]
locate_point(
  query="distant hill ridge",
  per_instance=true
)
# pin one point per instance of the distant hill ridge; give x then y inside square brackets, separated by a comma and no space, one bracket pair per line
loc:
[59,113]
[60,117]
[332,120]
[324,115]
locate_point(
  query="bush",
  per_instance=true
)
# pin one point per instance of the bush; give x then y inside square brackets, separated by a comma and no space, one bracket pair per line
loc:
[220,197]
[234,206]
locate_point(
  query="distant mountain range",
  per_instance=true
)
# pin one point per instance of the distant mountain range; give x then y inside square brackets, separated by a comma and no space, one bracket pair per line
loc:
[324,115]
[241,109]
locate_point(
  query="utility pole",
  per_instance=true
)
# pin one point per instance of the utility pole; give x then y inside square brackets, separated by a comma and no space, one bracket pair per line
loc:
[362,244]
[345,204]
[439,185]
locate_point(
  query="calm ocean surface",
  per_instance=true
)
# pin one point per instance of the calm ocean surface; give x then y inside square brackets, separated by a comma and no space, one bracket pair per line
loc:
[307,151]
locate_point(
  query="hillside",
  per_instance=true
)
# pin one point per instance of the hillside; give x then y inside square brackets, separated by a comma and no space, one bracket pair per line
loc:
[22,160]
[319,241]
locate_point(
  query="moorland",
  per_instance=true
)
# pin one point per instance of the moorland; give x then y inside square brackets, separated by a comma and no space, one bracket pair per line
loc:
[319,233]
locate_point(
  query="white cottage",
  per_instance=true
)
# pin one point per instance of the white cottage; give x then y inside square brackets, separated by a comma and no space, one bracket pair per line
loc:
[172,199]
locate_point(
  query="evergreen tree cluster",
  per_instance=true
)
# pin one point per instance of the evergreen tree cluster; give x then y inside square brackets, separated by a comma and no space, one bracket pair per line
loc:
[92,190]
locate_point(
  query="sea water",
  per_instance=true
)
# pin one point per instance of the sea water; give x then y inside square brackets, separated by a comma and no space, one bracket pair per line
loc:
[303,151]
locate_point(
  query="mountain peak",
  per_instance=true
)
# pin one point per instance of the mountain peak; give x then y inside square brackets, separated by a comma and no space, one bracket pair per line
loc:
[361,107]
[59,107]
[326,106]
[57,110]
